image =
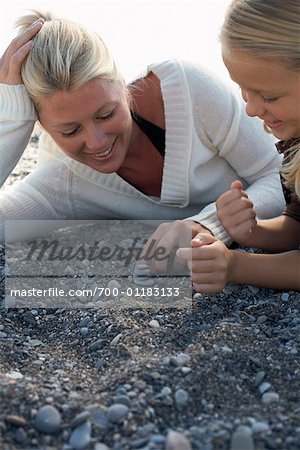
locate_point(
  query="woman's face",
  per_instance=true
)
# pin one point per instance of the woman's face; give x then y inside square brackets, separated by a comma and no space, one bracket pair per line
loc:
[271,91]
[91,124]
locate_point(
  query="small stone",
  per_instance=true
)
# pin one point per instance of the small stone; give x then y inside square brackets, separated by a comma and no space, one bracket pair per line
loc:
[10,302]
[264,387]
[141,275]
[260,427]
[17,421]
[21,436]
[14,375]
[96,345]
[285,296]
[185,370]
[177,441]
[98,416]
[116,339]
[181,398]
[47,419]
[261,319]
[100,446]
[165,391]
[81,436]
[85,322]
[154,323]
[215,309]
[259,377]
[80,418]
[117,413]
[242,439]
[113,284]
[270,397]
[101,362]
[181,359]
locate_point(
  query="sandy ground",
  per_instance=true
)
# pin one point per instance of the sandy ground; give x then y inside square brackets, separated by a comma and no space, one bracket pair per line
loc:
[211,372]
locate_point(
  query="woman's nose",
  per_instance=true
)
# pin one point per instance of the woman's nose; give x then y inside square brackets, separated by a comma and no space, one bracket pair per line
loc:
[95,138]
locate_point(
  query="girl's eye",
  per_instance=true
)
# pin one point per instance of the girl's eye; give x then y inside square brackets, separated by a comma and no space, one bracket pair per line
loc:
[270,100]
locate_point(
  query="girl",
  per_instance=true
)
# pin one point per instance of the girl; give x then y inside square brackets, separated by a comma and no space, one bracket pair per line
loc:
[261,50]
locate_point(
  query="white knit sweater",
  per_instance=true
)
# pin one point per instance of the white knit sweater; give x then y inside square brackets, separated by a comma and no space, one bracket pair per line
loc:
[210,142]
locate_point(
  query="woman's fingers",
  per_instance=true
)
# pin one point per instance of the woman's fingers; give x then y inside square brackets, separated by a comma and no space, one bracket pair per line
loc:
[16,53]
[26,35]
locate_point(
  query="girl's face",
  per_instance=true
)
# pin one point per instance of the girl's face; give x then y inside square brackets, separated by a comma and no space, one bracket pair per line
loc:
[271,91]
[91,124]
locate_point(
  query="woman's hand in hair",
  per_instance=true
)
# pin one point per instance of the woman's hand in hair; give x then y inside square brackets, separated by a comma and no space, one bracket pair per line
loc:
[16,53]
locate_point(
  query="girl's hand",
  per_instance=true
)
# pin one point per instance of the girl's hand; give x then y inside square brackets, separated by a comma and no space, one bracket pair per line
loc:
[16,53]
[235,212]
[210,263]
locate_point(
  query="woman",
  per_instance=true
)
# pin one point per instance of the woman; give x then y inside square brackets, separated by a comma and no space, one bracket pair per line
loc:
[260,45]
[164,147]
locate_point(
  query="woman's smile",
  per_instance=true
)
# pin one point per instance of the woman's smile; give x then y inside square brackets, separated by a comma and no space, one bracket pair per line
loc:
[102,154]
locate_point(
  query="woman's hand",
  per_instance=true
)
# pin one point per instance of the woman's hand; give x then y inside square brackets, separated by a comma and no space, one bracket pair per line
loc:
[210,263]
[235,212]
[16,53]
[159,253]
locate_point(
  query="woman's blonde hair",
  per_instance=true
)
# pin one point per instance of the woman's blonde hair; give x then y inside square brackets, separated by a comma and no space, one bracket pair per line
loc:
[64,56]
[267,29]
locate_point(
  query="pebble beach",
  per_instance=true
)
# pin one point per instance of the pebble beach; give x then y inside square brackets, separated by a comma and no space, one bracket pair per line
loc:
[213,372]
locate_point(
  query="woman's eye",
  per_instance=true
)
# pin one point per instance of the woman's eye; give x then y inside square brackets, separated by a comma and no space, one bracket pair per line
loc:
[107,116]
[70,133]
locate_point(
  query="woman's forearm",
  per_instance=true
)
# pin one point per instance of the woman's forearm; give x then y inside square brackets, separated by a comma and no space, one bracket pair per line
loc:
[274,271]
[16,125]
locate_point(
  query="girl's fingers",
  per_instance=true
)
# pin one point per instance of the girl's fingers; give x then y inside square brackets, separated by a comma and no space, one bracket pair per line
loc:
[237,184]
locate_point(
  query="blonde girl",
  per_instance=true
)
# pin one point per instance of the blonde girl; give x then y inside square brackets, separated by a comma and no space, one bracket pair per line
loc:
[261,50]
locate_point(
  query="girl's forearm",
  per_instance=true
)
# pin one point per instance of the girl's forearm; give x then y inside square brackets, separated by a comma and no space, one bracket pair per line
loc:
[276,235]
[274,271]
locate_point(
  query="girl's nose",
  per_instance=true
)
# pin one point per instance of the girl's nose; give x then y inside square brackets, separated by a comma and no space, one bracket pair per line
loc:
[254,105]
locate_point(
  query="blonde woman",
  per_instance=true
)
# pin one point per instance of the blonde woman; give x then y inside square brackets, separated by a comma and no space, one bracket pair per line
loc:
[261,50]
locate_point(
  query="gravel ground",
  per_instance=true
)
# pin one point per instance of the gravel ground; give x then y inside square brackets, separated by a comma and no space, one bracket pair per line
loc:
[216,372]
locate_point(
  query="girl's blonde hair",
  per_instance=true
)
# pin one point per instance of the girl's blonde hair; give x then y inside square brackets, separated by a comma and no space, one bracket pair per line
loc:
[270,29]
[291,169]
[64,56]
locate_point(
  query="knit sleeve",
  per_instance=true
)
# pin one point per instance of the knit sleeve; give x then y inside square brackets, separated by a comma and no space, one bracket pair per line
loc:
[17,118]
[37,198]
